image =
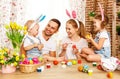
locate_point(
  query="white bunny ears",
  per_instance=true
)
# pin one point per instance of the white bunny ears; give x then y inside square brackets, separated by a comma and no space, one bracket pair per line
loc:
[39,19]
[73,16]
[102,11]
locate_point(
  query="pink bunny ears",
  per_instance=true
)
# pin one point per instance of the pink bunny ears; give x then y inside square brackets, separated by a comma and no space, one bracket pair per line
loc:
[73,14]
[102,11]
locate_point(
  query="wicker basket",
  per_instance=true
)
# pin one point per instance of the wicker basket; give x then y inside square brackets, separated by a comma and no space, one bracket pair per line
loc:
[29,68]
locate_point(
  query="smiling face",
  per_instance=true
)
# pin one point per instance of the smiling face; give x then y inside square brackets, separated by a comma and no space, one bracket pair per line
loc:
[70,30]
[97,25]
[51,28]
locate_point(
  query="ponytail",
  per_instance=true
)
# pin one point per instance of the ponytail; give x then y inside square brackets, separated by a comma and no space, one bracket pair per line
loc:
[81,30]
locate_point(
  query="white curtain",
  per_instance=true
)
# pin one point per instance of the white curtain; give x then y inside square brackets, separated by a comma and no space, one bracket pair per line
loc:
[10,10]
[21,10]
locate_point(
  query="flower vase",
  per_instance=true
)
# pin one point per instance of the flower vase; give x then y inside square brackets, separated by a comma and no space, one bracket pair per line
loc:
[17,50]
[8,69]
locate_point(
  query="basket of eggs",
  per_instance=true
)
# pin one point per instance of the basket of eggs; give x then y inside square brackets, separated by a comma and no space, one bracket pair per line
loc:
[29,65]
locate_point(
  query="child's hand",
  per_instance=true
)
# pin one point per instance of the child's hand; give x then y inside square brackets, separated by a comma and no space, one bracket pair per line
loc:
[64,46]
[35,45]
[40,46]
[89,37]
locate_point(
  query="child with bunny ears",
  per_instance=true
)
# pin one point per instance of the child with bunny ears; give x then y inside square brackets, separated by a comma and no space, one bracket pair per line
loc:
[74,42]
[101,43]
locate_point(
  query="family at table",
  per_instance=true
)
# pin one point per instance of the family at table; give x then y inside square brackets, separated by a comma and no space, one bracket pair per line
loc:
[74,46]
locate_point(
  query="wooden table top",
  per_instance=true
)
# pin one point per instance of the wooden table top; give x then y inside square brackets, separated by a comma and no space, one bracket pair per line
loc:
[57,72]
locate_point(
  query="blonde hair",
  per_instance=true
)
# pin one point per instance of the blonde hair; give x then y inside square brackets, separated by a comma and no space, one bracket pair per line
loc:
[81,28]
[28,23]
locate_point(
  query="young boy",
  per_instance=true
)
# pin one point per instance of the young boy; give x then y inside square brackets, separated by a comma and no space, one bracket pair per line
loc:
[32,45]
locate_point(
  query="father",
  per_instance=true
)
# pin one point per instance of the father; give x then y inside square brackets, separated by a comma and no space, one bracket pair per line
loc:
[46,37]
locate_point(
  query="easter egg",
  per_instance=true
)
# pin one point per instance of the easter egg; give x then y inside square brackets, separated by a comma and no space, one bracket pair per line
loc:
[40,59]
[31,62]
[99,67]
[69,63]
[79,61]
[74,46]
[80,68]
[55,62]
[35,59]
[87,36]
[26,61]
[29,59]
[74,62]
[109,74]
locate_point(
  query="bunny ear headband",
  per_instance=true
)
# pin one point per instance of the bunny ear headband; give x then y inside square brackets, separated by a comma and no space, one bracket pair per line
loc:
[39,19]
[73,16]
[102,11]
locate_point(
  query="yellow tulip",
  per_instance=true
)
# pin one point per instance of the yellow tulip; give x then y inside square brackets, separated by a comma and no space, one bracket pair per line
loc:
[25,28]
[17,58]
[6,49]
[2,61]
[15,63]
[1,57]
[14,54]
[23,56]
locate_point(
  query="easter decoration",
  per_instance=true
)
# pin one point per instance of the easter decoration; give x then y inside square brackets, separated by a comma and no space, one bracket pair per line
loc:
[8,61]
[28,65]
[110,75]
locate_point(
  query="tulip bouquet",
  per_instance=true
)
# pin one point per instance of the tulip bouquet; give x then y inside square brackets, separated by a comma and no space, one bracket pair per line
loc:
[15,33]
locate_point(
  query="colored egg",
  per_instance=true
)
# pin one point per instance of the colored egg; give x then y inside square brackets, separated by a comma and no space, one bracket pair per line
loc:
[74,62]
[80,68]
[110,75]
[69,63]
[55,62]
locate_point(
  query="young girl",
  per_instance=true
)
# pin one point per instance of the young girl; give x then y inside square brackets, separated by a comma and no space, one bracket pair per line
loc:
[101,42]
[74,42]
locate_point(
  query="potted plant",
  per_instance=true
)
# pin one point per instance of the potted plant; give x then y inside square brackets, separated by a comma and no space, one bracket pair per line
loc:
[118,29]
[91,15]
[118,14]
[8,60]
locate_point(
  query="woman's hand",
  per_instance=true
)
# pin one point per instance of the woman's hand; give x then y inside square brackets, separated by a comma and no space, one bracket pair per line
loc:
[75,50]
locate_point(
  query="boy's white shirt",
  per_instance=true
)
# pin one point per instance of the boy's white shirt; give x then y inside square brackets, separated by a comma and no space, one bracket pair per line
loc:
[27,41]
